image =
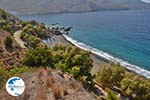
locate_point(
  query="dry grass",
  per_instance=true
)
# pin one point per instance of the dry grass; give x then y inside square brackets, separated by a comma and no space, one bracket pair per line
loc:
[49,71]
[76,85]
[49,81]
[65,89]
[57,91]
[41,72]
[79,87]
[41,93]
[44,72]
[5,96]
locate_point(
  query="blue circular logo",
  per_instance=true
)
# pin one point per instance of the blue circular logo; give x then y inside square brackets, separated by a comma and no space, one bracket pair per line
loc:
[15,86]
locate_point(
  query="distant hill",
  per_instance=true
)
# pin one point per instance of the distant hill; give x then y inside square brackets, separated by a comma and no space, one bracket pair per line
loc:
[60,6]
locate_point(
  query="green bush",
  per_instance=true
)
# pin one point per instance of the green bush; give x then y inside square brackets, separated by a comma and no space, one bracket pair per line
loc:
[136,88]
[33,32]
[110,75]
[38,57]
[33,41]
[8,41]
[3,14]
[4,75]
[74,60]
[35,29]
[132,86]
[14,71]
[8,22]
[110,95]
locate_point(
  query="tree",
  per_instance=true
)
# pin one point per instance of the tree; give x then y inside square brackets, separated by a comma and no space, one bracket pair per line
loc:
[104,76]
[3,76]
[75,71]
[118,73]
[110,95]
[14,71]
[75,61]
[38,57]
[33,22]
[8,42]
[136,88]
[110,75]
[34,41]
[128,86]
[3,14]
[7,27]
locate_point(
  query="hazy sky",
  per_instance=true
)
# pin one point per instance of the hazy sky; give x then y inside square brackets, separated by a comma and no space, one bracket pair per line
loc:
[147,1]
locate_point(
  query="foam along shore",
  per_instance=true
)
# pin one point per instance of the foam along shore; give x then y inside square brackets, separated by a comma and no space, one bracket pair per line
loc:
[108,58]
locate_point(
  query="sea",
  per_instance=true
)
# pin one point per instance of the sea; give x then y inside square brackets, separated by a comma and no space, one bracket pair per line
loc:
[119,36]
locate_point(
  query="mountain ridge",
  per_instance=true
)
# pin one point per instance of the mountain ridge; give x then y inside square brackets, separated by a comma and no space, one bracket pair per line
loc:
[64,6]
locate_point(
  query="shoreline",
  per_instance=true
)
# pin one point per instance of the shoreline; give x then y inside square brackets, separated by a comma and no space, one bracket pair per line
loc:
[99,58]
[98,61]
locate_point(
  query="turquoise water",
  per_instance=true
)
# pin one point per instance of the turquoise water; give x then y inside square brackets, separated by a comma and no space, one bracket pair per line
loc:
[122,34]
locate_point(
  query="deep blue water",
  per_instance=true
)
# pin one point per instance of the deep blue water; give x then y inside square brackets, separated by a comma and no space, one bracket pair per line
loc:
[123,34]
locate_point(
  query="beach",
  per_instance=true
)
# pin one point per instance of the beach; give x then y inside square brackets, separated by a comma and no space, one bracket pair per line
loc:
[99,59]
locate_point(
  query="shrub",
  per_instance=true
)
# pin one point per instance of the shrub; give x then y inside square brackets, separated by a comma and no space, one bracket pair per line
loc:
[4,75]
[72,60]
[111,96]
[57,91]
[38,57]
[8,41]
[17,71]
[14,71]
[110,75]
[136,88]
[133,86]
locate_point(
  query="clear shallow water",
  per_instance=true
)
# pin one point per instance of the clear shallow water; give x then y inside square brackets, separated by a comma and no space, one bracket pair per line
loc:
[123,34]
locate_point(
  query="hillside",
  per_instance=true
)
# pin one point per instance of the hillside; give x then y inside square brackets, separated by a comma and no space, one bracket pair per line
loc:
[60,6]
[47,84]
[9,56]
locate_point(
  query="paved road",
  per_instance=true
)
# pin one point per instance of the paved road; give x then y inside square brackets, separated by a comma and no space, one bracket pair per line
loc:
[17,38]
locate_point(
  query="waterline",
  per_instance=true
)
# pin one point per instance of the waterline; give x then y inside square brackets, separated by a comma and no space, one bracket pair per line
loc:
[109,57]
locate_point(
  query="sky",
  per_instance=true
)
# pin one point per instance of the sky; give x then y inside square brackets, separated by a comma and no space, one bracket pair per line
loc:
[147,1]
